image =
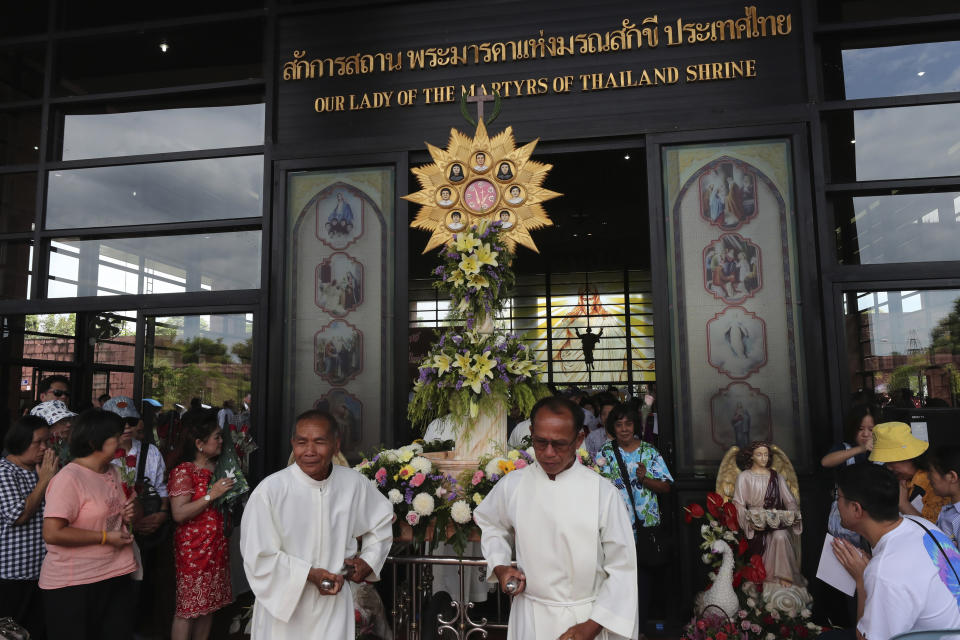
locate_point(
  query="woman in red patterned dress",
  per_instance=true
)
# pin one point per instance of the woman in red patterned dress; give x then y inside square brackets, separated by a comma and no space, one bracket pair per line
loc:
[201,550]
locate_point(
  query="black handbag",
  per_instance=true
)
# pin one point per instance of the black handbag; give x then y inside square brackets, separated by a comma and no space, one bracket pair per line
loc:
[651,544]
[150,501]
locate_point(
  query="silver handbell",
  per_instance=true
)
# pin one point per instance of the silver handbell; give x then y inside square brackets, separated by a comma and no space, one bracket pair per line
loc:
[326,584]
[512,585]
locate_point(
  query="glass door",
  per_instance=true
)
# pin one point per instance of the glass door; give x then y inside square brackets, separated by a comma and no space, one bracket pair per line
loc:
[206,357]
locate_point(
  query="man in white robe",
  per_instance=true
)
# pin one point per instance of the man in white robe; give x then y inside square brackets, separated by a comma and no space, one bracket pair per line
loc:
[300,527]
[576,559]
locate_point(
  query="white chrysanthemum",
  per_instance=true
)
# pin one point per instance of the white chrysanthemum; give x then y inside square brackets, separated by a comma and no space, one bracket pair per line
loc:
[421,465]
[514,454]
[390,455]
[423,503]
[395,496]
[460,512]
[493,468]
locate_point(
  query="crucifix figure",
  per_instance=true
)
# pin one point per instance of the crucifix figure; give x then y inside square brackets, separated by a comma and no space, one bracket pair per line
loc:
[588,341]
[480,98]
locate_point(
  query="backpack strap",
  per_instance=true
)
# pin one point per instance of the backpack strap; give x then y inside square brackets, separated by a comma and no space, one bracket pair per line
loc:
[936,542]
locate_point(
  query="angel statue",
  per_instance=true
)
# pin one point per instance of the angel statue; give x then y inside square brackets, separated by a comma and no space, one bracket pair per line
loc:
[768,510]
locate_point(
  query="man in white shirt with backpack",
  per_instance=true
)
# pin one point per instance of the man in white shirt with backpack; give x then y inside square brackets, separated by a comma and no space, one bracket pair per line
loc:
[911,582]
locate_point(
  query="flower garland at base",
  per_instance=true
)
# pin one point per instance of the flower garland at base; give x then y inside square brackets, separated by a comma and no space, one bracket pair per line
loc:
[421,496]
[764,614]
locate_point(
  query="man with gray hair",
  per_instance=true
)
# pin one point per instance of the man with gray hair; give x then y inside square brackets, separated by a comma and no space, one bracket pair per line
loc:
[299,538]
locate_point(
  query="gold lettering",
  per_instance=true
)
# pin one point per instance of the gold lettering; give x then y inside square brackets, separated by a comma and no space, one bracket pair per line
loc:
[726,70]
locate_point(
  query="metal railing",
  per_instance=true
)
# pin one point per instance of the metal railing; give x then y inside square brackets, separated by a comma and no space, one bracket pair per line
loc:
[412,584]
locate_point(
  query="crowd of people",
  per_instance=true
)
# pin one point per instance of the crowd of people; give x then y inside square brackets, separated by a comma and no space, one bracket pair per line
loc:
[894,522]
[84,499]
[88,511]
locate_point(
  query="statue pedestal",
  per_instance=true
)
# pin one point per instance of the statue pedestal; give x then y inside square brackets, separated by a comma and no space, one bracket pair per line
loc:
[488,435]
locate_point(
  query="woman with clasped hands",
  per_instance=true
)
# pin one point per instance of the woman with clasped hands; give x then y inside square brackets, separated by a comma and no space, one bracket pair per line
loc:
[85,575]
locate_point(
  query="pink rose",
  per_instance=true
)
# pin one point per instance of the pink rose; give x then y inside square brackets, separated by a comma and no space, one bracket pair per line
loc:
[745,625]
[381,476]
[417,480]
[519,463]
[477,477]
[413,518]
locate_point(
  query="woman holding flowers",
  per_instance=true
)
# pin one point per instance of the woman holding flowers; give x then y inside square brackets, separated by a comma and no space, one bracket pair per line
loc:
[638,470]
[86,572]
[201,551]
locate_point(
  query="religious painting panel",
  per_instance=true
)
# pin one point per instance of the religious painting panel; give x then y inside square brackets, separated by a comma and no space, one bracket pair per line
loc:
[739,414]
[338,353]
[731,268]
[346,409]
[339,294]
[339,284]
[737,342]
[339,215]
[728,194]
[736,328]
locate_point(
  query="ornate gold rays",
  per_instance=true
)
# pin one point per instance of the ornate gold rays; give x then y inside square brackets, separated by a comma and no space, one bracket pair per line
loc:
[481,178]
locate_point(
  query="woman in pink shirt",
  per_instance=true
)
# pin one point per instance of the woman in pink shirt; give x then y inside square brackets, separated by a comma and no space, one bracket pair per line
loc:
[85,574]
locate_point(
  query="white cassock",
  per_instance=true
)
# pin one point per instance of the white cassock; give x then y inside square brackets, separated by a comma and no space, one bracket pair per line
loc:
[293,523]
[575,545]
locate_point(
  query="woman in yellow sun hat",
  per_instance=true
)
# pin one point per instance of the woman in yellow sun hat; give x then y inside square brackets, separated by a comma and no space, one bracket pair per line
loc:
[897,448]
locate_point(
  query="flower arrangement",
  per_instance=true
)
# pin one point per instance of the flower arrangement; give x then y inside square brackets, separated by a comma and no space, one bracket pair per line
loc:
[763,615]
[127,465]
[243,444]
[474,272]
[589,461]
[466,372]
[421,496]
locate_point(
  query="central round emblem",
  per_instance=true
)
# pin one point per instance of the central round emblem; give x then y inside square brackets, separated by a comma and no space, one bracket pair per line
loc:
[480,196]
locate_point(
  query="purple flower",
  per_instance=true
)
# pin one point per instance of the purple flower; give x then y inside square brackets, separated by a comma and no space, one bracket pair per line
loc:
[486,386]
[456,339]
[487,348]
[505,378]
[459,385]
[408,495]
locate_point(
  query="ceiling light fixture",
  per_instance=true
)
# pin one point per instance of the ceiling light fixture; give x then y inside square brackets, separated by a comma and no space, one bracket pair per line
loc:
[164,46]
[626,157]
[920,73]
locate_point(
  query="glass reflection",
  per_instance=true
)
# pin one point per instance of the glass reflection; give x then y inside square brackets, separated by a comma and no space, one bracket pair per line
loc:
[213,189]
[907,142]
[21,73]
[900,340]
[19,136]
[199,356]
[18,195]
[145,265]
[105,135]
[133,61]
[16,270]
[930,67]
[922,227]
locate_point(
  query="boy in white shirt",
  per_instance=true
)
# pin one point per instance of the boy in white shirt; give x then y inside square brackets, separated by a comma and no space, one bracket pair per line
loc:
[910,583]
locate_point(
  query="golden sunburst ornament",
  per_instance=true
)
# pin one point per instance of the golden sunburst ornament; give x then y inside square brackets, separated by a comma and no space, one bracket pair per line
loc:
[482,179]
